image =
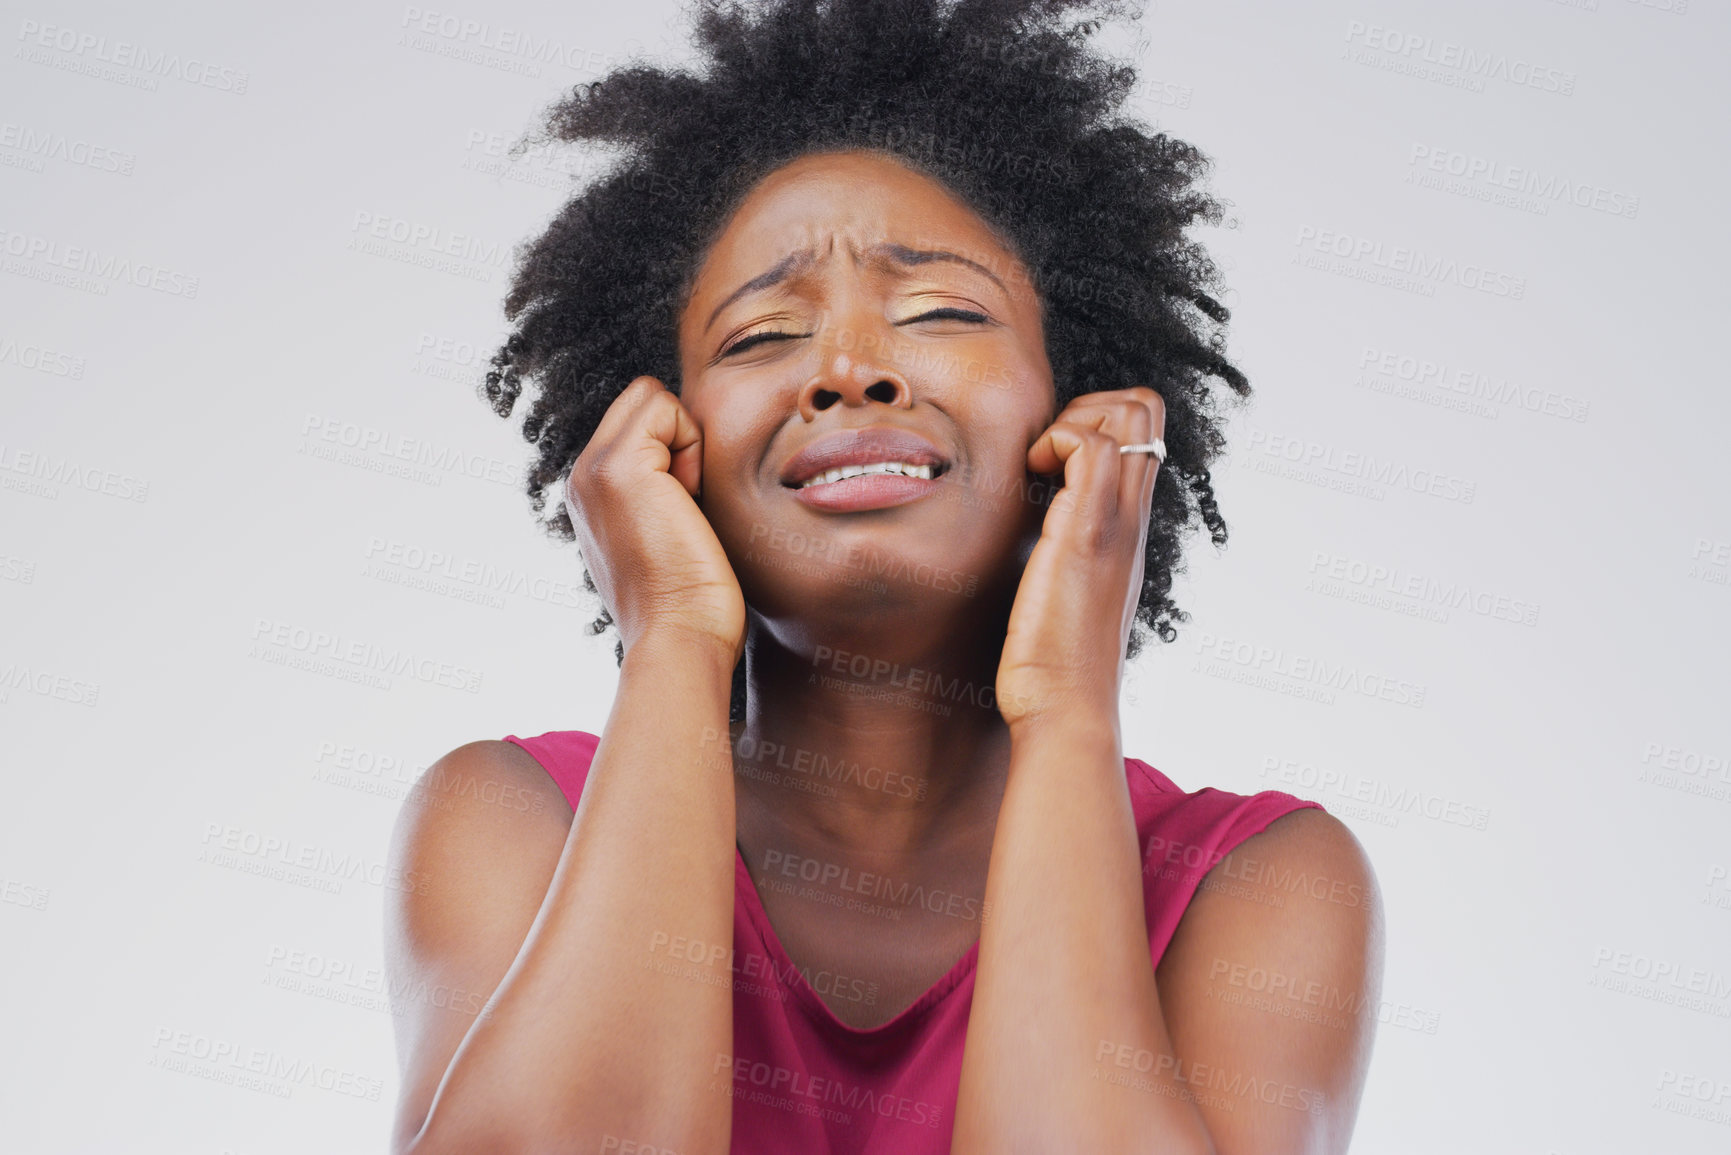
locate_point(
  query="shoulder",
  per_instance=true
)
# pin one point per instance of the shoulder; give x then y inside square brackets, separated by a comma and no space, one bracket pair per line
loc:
[1206,817]
[1186,836]
[563,755]
[1303,884]
[474,849]
[491,776]
[484,810]
[1311,845]
[1274,977]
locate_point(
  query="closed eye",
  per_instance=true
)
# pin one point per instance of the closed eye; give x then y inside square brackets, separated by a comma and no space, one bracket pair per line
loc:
[749,341]
[944,314]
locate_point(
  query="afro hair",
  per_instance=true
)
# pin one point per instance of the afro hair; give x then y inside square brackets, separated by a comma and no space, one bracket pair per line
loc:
[1004,102]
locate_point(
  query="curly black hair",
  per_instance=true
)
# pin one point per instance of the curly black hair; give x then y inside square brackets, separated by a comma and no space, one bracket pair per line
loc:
[1002,101]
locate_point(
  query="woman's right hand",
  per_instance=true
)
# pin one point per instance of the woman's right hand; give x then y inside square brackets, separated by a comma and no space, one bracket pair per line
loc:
[654,557]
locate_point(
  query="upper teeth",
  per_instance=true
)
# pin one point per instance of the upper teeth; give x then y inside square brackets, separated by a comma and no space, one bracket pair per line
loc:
[901,467]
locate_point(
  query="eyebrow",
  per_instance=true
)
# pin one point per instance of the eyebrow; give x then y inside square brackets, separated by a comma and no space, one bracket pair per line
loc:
[899,254]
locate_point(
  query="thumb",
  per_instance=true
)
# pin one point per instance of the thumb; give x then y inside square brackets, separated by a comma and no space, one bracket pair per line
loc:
[676,434]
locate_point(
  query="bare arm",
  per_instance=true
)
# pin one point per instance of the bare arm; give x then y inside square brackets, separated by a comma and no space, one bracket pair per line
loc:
[580,1041]
[1065,977]
[1252,1038]
[1074,1042]
[1065,982]
[1271,986]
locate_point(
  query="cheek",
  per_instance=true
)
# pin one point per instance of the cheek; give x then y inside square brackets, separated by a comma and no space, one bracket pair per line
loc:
[726,438]
[732,490]
[989,493]
[1006,414]
[1001,490]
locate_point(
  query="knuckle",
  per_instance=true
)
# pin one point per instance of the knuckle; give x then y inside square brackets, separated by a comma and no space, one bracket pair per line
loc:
[635,393]
[1105,536]
[605,474]
[1153,402]
[593,469]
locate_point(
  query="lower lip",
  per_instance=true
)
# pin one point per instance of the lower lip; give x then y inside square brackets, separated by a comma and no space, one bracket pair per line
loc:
[866,491]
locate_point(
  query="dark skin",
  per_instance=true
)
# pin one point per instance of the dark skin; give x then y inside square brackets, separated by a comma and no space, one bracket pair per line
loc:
[1023,810]
[862,347]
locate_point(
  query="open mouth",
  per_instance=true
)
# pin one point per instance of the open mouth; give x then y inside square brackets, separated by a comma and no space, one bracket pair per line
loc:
[891,468]
[877,485]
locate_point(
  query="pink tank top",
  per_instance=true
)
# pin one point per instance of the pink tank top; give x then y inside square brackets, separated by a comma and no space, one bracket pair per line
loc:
[804,1081]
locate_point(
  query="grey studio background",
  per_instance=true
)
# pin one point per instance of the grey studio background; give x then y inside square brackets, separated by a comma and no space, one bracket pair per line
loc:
[265,556]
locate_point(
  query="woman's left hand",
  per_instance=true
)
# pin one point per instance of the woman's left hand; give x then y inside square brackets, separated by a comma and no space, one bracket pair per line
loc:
[1064,649]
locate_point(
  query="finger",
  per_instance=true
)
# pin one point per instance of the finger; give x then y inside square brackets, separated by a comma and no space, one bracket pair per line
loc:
[615,424]
[1125,418]
[1135,416]
[625,408]
[677,440]
[1044,456]
[1087,456]
[1132,416]
[647,419]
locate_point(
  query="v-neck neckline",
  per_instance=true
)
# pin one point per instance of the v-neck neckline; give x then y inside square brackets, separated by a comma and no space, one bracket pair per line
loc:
[789,974]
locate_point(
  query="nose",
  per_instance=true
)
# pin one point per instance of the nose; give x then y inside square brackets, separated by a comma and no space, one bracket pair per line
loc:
[855,370]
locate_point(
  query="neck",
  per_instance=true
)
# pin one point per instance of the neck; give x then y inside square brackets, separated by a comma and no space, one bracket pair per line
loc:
[880,743]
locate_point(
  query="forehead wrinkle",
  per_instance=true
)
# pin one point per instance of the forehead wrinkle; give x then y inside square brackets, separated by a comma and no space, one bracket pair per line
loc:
[884,256]
[790,265]
[887,254]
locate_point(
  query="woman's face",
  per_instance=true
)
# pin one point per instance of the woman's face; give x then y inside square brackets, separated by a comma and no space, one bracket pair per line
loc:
[849,293]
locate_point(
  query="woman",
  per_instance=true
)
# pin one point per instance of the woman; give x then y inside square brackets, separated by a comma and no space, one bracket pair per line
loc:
[875,380]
